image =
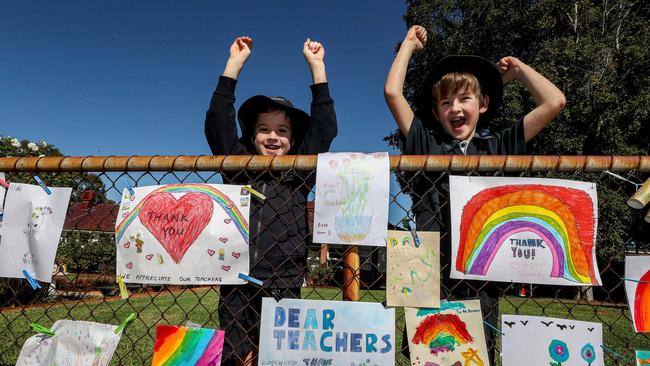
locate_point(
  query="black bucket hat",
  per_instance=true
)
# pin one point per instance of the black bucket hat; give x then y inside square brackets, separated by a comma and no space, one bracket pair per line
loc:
[488,76]
[253,106]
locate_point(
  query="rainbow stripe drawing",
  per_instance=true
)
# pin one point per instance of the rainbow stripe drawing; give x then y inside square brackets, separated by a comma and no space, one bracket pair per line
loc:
[180,345]
[170,234]
[524,230]
[449,335]
[637,288]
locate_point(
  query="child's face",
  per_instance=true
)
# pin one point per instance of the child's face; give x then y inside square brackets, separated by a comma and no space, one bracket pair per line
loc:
[272,135]
[459,112]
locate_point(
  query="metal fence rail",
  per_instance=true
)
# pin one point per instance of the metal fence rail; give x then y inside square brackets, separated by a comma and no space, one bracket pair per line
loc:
[84,287]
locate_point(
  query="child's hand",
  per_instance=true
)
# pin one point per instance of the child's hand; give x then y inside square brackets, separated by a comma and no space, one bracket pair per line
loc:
[509,68]
[313,51]
[241,49]
[416,36]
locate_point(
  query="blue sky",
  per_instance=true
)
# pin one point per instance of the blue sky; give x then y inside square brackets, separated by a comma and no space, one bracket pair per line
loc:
[135,77]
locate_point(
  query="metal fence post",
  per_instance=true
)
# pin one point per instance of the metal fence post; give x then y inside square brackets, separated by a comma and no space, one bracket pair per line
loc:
[351,272]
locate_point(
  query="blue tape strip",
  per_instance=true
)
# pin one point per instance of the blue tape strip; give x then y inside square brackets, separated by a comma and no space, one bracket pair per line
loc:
[40,183]
[250,279]
[609,350]
[493,327]
[633,280]
[130,189]
[32,282]
[414,233]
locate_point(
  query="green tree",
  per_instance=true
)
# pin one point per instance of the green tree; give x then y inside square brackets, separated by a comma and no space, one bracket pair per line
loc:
[595,51]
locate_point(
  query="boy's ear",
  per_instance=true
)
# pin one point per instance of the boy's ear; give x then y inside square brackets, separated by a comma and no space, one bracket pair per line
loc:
[486,103]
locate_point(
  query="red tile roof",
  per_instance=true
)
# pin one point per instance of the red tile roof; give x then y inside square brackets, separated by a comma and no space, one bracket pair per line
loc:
[91,217]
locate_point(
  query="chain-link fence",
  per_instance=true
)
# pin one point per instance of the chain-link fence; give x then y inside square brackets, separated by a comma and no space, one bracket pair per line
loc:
[84,284]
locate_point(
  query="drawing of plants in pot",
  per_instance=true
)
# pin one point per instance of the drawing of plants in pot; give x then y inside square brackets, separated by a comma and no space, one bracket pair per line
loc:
[354,217]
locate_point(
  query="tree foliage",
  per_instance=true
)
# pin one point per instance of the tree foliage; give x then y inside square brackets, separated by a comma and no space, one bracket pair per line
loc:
[595,51]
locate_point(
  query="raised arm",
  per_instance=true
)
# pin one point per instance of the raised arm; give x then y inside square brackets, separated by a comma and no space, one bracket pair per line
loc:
[549,99]
[220,127]
[415,40]
[323,127]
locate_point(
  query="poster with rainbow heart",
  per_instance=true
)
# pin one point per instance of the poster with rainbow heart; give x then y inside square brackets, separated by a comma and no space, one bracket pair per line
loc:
[181,345]
[637,289]
[450,335]
[183,234]
[528,230]
[550,341]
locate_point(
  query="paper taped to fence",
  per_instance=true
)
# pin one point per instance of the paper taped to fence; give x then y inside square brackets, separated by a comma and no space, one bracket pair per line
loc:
[351,198]
[76,343]
[524,230]
[551,341]
[181,345]
[311,332]
[642,358]
[450,335]
[412,269]
[183,234]
[32,225]
[637,289]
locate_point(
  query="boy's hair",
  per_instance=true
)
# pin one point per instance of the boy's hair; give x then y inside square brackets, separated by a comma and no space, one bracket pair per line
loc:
[268,108]
[454,82]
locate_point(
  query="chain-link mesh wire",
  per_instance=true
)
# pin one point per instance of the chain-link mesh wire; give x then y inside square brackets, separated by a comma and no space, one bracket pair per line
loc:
[84,286]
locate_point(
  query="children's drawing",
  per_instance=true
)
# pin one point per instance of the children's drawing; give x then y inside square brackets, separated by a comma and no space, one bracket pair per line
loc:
[75,343]
[181,345]
[311,332]
[642,358]
[169,234]
[413,271]
[32,225]
[351,198]
[449,335]
[524,230]
[551,341]
[637,268]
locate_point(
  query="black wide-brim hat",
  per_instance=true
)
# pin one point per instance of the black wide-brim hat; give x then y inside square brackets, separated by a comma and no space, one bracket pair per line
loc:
[488,76]
[253,106]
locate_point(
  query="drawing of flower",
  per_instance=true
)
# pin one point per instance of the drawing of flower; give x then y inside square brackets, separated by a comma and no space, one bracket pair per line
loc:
[559,352]
[588,353]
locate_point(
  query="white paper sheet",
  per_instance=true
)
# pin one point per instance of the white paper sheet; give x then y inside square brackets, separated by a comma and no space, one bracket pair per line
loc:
[311,332]
[544,341]
[183,234]
[637,268]
[526,230]
[32,225]
[75,343]
[352,192]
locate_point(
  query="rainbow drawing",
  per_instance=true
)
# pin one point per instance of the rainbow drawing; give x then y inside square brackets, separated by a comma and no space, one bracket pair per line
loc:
[216,195]
[562,217]
[442,333]
[642,358]
[642,304]
[179,345]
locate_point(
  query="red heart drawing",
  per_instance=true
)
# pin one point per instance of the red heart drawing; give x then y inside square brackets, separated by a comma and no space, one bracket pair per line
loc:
[223,239]
[129,265]
[211,252]
[227,221]
[176,223]
[124,215]
[225,268]
[127,244]
[149,256]
[229,205]
[236,255]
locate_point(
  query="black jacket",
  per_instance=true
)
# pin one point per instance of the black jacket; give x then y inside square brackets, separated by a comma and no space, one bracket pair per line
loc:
[278,225]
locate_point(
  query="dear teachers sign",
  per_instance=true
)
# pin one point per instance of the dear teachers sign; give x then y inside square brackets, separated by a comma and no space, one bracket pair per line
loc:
[310,332]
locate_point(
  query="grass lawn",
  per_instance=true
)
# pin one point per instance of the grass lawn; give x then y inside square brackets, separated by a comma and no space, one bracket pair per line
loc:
[200,306]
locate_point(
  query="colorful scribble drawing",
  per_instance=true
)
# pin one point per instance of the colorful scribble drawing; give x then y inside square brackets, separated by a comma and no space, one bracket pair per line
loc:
[471,357]
[354,218]
[642,304]
[588,353]
[558,351]
[442,333]
[189,215]
[642,357]
[37,220]
[187,346]
[562,217]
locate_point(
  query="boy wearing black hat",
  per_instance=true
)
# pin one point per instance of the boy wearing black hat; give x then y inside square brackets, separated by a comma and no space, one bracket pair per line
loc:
[459,94]
[278,225]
